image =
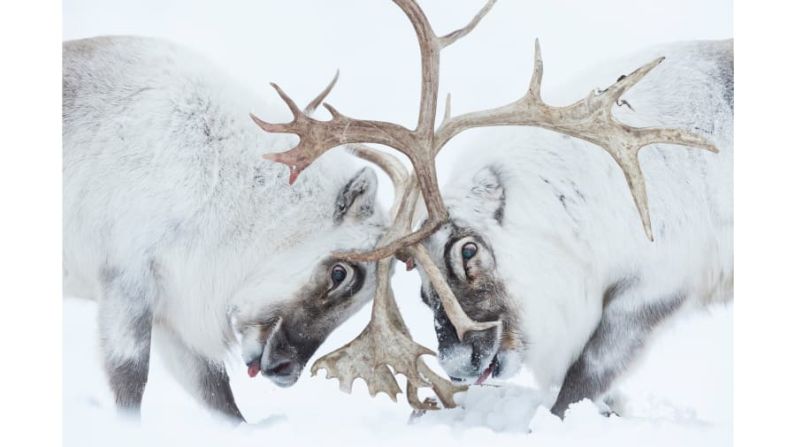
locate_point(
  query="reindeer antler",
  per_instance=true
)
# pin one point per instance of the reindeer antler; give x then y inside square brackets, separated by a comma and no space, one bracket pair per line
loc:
[312,106]
[382,350]
[319,136]
[589,119]
[386,341]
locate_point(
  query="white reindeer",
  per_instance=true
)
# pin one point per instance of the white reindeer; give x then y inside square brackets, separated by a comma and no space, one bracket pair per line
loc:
[174,223]
[536,252]
[543,234]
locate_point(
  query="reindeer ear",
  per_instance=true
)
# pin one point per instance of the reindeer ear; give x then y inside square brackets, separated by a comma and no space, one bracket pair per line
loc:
[356,200]
[488,194]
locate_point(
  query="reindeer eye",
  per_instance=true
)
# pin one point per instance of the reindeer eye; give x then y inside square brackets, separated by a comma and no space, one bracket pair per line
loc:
[469,250]
[338,275]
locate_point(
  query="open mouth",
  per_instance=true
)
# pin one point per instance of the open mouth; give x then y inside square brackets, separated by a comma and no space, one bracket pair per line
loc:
[492,369]
[280,373]
[261,338]
[283,368]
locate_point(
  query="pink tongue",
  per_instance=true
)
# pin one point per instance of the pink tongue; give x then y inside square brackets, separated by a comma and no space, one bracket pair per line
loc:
[253,369]
[485,375]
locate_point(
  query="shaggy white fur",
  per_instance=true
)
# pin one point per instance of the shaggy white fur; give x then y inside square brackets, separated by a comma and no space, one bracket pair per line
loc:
[570,228]
[169,208]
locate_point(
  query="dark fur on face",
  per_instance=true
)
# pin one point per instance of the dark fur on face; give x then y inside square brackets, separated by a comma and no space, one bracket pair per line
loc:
[290,334]
[482,296]
[279,340]
[308,322]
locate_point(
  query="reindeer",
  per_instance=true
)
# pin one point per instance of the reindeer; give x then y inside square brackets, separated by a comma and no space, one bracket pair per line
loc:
[176,226]
[590,302]
[541,238]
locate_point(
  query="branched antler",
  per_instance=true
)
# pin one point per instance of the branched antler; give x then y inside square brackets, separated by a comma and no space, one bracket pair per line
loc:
[382,350]
[406,193]
[312,106]
[386,340]
[385,347]
[590,119]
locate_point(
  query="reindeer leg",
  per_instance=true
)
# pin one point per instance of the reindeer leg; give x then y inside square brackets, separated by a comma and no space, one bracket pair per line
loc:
[125,327]
[202,378]
[621,334]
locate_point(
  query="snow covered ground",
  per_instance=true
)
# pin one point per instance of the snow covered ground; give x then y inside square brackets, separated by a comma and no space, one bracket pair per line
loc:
[679,394]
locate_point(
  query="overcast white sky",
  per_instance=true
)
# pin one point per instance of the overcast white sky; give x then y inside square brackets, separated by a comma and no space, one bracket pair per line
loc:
[300,43]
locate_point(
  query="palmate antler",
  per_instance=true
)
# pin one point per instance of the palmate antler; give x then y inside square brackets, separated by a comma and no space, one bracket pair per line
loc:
[386,343]
[386,340]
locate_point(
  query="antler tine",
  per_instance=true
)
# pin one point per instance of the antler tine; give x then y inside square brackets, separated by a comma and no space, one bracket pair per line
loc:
[589,119]
[626,82]
[452,308]
[450,38]
[312,106]
[430,49]
[441,386]
[422,154]
[538,71]
[316,137]
[429,62]
[385,347]
[287,100]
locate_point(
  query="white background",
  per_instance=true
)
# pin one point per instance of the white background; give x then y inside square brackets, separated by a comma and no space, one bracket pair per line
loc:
[31,118]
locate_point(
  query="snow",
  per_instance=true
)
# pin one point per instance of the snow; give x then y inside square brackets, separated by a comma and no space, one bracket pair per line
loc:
[680,393]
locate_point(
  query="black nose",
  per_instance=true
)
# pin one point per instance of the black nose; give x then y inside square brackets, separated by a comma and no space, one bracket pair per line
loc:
[469,358]
[483,343]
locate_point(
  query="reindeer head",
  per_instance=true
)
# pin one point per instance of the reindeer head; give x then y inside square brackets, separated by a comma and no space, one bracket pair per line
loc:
[463,249]
[282,323]
[385,347]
